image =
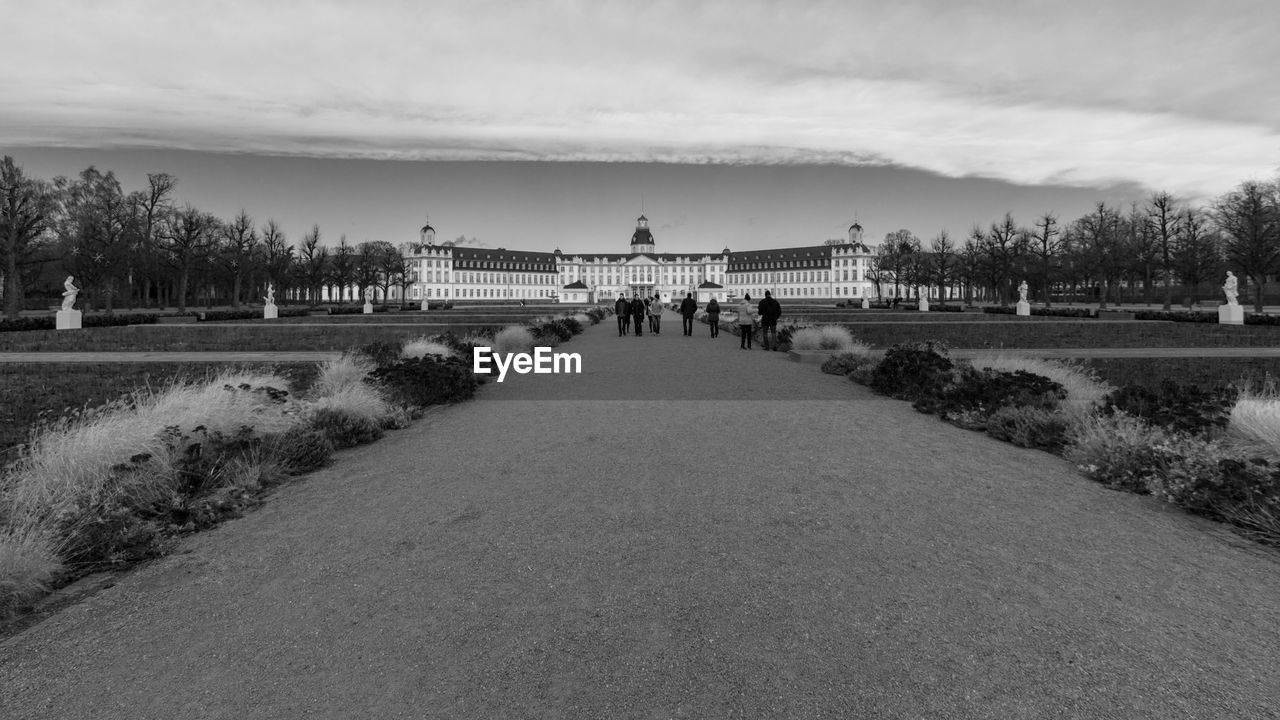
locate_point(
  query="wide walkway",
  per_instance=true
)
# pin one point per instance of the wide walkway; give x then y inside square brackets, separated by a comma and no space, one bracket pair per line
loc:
[685,530]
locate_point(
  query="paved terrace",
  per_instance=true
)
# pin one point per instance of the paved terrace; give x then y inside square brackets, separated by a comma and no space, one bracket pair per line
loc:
[686,530]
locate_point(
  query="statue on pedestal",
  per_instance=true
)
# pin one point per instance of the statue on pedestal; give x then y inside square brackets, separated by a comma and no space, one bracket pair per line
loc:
[69,293]
[1230,287]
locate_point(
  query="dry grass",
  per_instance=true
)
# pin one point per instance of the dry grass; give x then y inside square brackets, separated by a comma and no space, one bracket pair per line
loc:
[1085,392]
[125,453]
[350,370]
[28,563]
[513,339]
[343,385]
[827,338]
[1255,419]
[423,346]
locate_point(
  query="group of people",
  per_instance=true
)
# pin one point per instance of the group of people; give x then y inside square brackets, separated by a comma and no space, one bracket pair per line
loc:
[765,314]
[638,309]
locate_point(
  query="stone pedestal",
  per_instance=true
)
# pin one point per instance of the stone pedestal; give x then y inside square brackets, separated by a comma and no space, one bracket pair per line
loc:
[368,308]
[68,320]
[424,306]
[865,304]
[1227,315]
[270,312]
[924,304]
[1024,308]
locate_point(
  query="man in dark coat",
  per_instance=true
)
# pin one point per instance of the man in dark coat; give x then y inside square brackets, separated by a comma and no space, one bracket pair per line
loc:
[687,308]
[623,310]
[637,314]
[770,311]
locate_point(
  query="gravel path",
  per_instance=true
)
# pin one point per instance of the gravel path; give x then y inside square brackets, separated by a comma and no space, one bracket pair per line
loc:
[686,530]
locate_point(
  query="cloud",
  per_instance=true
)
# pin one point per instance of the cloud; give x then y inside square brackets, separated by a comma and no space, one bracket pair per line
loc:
[1168,94]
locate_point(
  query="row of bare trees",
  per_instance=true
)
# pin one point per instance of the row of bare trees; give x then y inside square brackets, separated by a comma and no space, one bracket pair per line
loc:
[144,249]
[1151,251]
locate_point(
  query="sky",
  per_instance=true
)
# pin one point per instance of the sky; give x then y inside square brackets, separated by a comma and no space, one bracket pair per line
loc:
[744,124]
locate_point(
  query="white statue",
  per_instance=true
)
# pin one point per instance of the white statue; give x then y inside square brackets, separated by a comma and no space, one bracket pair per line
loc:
[1022,291]
[368,294]
[69,294]
[1230,287]
[271,295]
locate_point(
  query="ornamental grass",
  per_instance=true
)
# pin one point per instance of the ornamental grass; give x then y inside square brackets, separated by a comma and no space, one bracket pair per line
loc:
[827,338]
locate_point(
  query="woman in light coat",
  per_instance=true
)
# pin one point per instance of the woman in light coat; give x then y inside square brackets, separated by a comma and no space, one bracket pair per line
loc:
[746,322]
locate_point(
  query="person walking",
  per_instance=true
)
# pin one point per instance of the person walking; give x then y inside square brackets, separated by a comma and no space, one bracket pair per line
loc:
[623,310]
[687,309]
[746,324]
[713,317]
[637,313]
[655,315]
[770,311]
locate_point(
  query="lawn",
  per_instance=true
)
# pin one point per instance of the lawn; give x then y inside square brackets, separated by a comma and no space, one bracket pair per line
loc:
[216,337]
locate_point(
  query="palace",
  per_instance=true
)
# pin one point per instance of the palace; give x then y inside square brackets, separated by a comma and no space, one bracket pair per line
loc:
[832,271]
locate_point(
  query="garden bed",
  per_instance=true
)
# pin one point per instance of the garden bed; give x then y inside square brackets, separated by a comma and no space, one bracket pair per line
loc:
[1065,333]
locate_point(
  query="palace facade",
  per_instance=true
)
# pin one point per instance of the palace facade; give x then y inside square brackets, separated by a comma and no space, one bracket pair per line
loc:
[832,271]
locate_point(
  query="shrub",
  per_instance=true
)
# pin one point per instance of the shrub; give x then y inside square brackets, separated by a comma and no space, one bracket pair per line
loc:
[428,381]
[1056,312]
[828,338]
[1085,392]
[912,370]
[555,329]
[1118,450]
[513,339]
[345,427]
[380,352]
[248,314]
[1029,427]
[298,450]
[849,362]
[572,323]
[967,389]
[1181,408]
[1205,476]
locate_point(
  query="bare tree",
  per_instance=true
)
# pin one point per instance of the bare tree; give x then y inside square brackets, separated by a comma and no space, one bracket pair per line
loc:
[1162,218]
[1005,245]
[969,268]
[368,265]
[1197,253]
[188,238]
[313,259]
[342,268]
[239,243]
[1044,244]
[277,257]
[1250,220]
[149,207]
[942,264]
[93,229]
[1101,246]
[28,210]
